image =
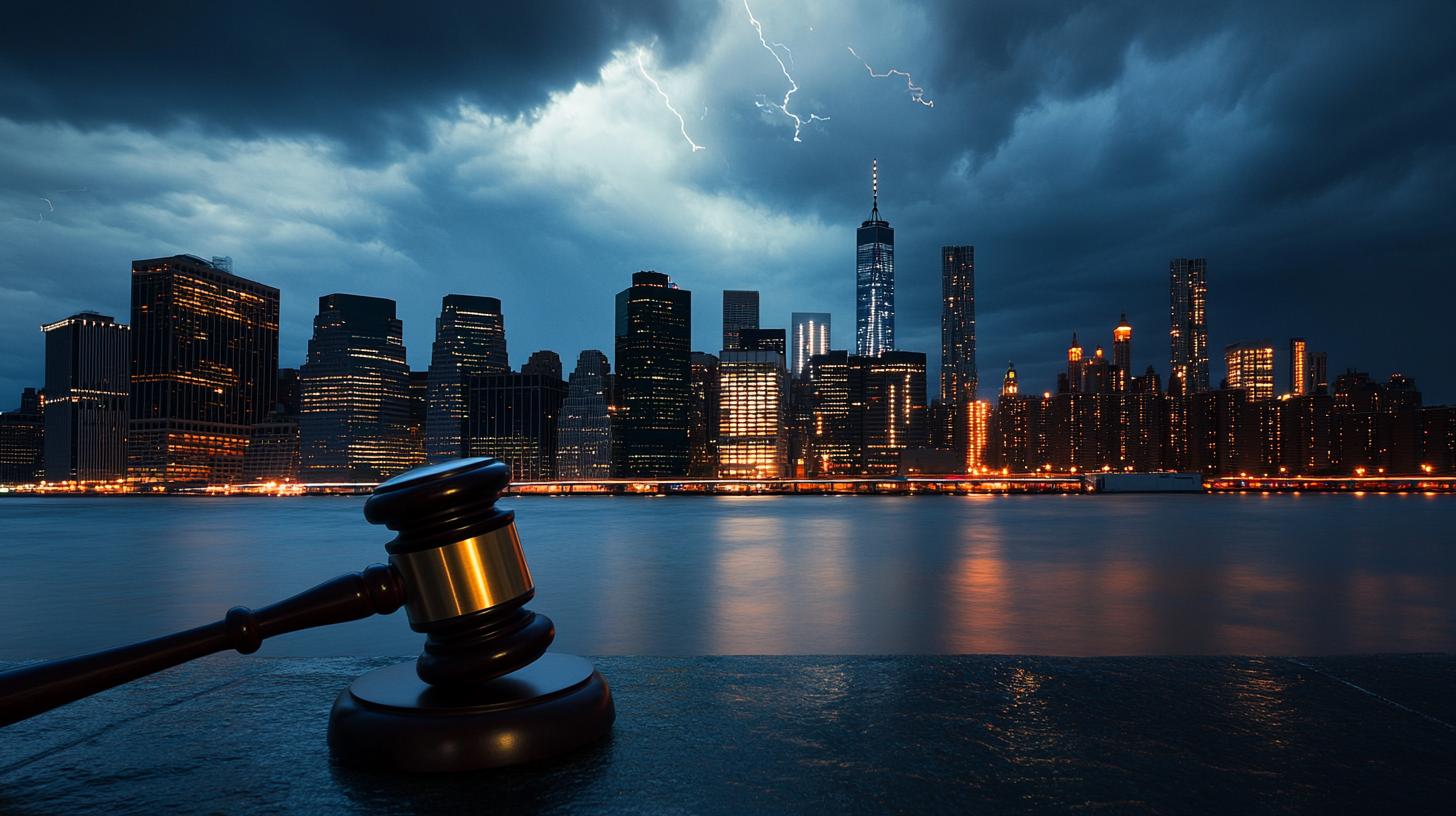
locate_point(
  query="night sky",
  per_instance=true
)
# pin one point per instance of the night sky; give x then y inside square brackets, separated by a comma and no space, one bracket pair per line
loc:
[1308,150]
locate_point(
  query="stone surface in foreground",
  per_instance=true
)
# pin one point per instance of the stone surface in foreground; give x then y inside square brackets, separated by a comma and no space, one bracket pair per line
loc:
[822,734]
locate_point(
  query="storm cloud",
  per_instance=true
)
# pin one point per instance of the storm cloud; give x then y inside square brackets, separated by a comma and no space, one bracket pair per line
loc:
[1305,149]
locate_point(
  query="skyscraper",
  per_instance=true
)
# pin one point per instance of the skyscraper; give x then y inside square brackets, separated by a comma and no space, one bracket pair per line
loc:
[1319,372]
[22,441]
[419,401]
[810,336]
[584,431]
[1188,333]
[654,332]
[874,262]
[703,416]
[514,417]
[894,408]
[958,379]
[87,386]
[1251,368]
[763,340]
[272,454]
[470,339]
[354,392]
[1299,384]
[1074,365]
[751,426]
[1122,353]
[204,368]
[740,311]
[837,428]
[976,416]
[544,363]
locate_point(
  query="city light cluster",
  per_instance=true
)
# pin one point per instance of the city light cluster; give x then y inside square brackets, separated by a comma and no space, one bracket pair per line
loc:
[190,396]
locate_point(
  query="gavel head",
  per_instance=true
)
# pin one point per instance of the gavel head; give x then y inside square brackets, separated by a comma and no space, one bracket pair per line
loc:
[465,576]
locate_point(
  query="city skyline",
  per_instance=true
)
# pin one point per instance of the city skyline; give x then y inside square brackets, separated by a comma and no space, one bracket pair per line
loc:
[1076,176]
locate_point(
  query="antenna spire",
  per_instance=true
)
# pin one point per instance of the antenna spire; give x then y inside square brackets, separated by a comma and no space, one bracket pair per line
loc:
[874,189]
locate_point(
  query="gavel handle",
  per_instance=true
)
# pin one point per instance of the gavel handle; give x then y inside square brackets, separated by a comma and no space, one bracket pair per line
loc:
[30,690]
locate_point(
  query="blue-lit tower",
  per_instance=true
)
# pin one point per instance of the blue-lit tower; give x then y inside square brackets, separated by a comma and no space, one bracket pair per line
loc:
[874,279]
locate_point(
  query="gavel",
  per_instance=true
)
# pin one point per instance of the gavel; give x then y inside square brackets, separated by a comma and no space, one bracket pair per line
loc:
[483,693]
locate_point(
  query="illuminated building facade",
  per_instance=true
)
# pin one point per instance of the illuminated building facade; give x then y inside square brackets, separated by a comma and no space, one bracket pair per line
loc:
[977,418]
[513,417]
[22,441]
[1304,434]
[584,431]
[87,387]
[958,378]
[1074,366]
[1122,354]
[874,279]
[1251,368]
[894,409]
[1188,332]
[203,370]
[1011,428]
[751,424]
[740,311]
[354,391]
[470,339]
[1097,374]
[704,416]
[653,354]
[1299,380]
[1143,424]
[809,337]
[836,440]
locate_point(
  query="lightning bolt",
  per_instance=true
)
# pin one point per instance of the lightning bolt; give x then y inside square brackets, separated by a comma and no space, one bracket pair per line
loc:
[681,125]
[917,93]
[781,107]
[52,207]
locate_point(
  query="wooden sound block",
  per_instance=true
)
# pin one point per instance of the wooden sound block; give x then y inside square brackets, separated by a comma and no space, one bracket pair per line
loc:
[390,720]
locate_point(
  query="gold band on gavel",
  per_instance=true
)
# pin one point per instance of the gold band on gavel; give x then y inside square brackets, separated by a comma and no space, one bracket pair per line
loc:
[463,577]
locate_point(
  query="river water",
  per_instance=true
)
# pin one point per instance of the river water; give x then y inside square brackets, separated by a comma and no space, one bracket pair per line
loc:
[1058,575]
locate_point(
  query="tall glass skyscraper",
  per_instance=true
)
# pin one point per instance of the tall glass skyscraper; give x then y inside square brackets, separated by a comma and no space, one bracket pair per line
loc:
[809,336]
[584,436]
[87,371]
[740,311]
[22,441]
[1122,353]
[204,368]
[874,279]
[514,417]
[1188,333]
[751,427]
[470,340]
[354,391]
[654,334]
[704,402]
[958,378]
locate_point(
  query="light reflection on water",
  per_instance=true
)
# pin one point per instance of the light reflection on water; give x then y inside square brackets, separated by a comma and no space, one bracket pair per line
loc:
[1070,575]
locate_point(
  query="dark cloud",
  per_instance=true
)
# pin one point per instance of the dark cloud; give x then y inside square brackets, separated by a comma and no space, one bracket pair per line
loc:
[1307,150]
[364,71]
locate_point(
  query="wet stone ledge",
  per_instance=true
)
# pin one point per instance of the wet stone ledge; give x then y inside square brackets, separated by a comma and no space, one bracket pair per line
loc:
[782,734]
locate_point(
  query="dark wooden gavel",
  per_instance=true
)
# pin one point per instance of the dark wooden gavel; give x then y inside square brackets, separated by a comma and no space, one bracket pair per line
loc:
[456,566]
